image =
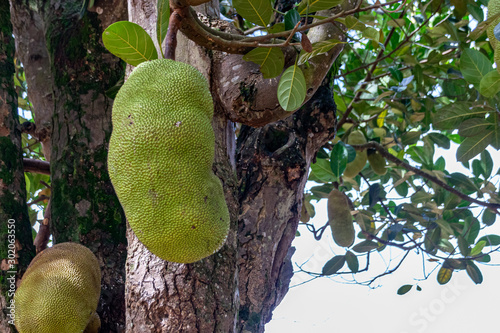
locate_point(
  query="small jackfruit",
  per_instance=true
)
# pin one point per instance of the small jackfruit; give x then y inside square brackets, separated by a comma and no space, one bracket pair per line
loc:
[340,219]
[377,162]
[355,166]
[494,9]
[59,291]
[160,161]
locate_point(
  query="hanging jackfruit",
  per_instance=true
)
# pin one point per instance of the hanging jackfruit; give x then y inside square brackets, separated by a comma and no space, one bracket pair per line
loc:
[377,162]
[340,218]
[160,161]
[355,166]
[59,291]
[494,9]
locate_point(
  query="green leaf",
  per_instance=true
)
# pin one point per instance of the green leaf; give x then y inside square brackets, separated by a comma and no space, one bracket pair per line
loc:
[471,229]
[365,246]
[130,42]
[270,60]
[333,265]
[258,12]
[451,116]
[321,170]
[472,146]
[338,159]
[486,164]
[292,17]
[440,139]
[404,289]
[311,6]
[474,272]
[163,14]
[410,138]
[318,48]
[491,240]
[495,132]
[463,246]
[489,217]
[292,88]
[490,84]
[352,261]
[444,274]
[478,248]
[472,127]
[474,66]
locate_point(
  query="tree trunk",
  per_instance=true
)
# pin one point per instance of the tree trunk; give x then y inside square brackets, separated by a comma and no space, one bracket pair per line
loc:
[236,289]
[16,244]
[68,73]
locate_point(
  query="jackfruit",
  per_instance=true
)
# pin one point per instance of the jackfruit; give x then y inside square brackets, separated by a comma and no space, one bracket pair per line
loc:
[494,9]
[355,166]
[59,291]
[160,161]
[377,162]
[340,218]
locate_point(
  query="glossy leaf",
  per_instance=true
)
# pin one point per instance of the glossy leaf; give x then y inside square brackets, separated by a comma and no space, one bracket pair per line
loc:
[491,240]
[130,42]
[333,265]
[258,12]
[311,6]
[292,89]
[163,16]
[270,60]
[318,48]
[474,273]
[365,246]
[404,289]
[444,275]
[338,159]
[474,66]
[490,84]
[352,261]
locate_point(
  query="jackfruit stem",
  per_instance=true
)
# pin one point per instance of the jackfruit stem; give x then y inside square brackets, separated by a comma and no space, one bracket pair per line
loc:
[171,38]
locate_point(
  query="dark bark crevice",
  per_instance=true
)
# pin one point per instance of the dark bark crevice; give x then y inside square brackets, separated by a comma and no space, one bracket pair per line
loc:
[273,164]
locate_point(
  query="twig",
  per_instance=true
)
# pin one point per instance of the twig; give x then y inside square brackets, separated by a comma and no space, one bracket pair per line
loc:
[43,235]
[173,26]
[36,166]
[372,144]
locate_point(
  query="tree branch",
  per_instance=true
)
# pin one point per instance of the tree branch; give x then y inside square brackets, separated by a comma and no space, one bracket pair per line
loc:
[372,144]
[36,166]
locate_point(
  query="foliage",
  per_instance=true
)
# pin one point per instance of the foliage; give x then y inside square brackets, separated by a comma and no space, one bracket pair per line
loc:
[415,78]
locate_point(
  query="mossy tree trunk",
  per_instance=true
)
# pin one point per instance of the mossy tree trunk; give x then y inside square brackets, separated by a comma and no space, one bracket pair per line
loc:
[68,73]
[16,242]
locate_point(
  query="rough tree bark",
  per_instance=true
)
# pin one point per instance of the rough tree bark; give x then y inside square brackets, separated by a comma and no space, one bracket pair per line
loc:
[16,246]
[68,72]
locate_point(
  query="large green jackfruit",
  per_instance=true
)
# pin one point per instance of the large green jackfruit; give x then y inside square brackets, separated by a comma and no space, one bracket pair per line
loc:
[340,218]
[59,291]
[494,9]
[355,166]
[160,161]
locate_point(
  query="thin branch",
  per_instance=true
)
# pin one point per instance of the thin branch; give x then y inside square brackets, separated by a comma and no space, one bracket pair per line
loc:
[171,42]
[36,166]
[372,144]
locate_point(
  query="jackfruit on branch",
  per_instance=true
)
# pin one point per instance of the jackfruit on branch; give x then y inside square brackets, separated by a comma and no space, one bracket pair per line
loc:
[59,291]
[493,9]
[160,161]
[340,218]
[355,166]
[377,162]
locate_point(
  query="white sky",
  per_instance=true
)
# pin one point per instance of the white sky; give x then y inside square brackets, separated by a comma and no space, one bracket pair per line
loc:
[328,306]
